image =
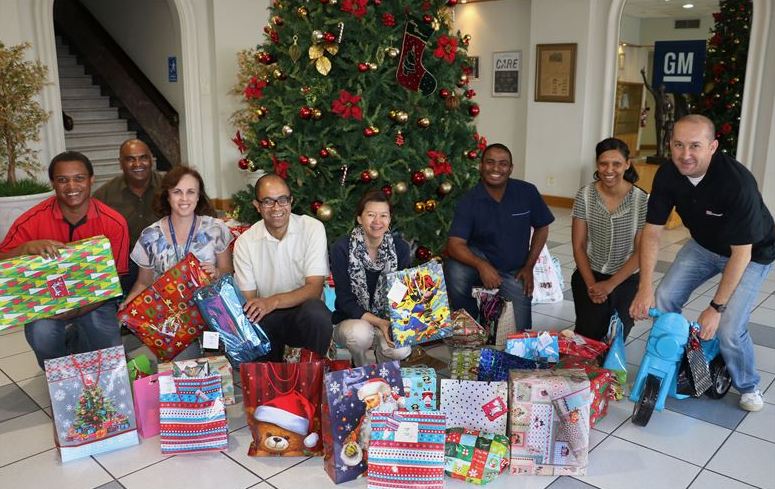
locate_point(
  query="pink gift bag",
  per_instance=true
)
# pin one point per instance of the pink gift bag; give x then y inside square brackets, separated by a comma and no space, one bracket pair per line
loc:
[146,392]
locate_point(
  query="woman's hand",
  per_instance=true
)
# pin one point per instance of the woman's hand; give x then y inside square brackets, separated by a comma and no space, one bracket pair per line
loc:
[211,269]
[384,328]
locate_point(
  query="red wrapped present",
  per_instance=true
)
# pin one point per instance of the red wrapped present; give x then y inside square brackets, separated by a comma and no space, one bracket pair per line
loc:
[601,382]
[164,315]
[577,345]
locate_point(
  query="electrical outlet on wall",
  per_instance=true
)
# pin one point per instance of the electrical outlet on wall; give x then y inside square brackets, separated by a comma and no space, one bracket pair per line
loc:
[550,181]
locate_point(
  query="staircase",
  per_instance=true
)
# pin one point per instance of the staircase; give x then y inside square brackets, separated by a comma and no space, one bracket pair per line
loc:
[98,131]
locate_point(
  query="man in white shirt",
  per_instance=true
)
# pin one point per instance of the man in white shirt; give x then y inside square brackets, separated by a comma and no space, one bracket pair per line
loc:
[280,265]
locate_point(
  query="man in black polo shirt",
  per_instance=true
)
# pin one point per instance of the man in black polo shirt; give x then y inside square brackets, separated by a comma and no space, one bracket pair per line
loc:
[490,239]
[732,233]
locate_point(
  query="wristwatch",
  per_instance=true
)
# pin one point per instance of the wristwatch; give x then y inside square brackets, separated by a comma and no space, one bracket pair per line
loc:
[718,307]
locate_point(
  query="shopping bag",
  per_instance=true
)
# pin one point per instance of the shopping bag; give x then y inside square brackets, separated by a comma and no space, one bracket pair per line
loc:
[534,345]
[693,374]
[496,314]
[146,402]
[91,402]
[494,365]
[192,417]
[164,315]
[615,360]
[221,306]
[202,367]
[419,388]
[464,364]
[34,287]
[418,304]
[475,405]
[349,397]
[406,450]
[466,332]
[547,279]
[474,456]
[282,406]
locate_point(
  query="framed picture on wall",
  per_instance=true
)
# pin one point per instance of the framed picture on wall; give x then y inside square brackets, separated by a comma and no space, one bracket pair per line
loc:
[473,62]
[555,72]
[506,68]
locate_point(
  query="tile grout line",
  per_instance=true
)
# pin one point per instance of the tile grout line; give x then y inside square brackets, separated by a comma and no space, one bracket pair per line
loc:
[26,457]
[106,470]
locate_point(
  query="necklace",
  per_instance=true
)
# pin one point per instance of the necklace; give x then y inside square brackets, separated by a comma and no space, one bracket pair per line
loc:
[175,241]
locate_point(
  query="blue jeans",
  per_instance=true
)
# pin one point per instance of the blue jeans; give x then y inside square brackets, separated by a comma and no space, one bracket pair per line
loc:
[461,278]
[97,329]
[692,267]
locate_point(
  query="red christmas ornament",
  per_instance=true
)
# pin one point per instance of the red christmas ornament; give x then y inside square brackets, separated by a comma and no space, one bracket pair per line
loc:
[387,190]
[329,36]
[444,93]
[473,110]
[264,143]
[418,178]
[243,164]
[315,205]
[470,93]
[377,3]
[472,155]
[451,3]
[365,177]
[400,139]
[363,67]
[304,160]
[324,153]
[368,131]
[423,254]
[305,112]
[388,20]
[427,18]
[726,128]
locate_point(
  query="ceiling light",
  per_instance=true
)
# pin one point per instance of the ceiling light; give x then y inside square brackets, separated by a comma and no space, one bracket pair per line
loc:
[688,5]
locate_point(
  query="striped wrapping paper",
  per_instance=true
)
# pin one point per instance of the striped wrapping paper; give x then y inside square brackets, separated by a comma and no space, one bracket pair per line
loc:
[407,450]
[191,414]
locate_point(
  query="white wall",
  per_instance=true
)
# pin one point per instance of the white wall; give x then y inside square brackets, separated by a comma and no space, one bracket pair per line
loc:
[148,31]
[502,25]
[662,29]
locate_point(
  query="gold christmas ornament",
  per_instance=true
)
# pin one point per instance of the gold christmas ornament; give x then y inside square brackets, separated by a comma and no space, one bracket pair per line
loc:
[428,172]
[445,188]
[400,187]
[287,131]
[392,52]
[302,12]
[325,212]
[295,51]
[392,114]
[419,207]
[423,122]
[317,36]
[402,117]
[278,74]
[430,205]
[312,163]
[317,114]
[373,174]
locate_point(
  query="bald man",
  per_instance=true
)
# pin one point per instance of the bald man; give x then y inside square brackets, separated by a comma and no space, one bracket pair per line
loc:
[132,194]
[280,264]
[732,233]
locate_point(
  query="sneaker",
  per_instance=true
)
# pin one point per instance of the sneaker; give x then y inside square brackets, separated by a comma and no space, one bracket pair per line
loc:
[752,401]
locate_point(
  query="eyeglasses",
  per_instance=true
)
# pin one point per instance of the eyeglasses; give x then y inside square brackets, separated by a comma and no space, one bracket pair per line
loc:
[283,200]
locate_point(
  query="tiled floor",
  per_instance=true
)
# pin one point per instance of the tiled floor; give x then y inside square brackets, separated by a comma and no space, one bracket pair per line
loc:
[694,443]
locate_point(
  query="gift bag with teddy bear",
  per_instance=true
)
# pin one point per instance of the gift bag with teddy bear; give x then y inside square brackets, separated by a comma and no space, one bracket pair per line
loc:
[350,397]
[282,406]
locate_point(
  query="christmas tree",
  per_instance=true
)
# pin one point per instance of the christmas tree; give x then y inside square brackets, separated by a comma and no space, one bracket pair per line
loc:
[93,410]
[722,95]
[349,95]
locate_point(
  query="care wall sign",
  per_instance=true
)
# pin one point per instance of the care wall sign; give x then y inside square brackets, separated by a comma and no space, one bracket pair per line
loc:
[506,68]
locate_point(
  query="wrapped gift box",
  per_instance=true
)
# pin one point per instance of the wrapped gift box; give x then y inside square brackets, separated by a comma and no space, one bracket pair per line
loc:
[549,422]
[534,345]
[202,367]
[474,456]
[164,316]
[419,307]
[601,382]
[407,450]
[33,287]
[494,365]
[571,343]
[466,332]
[419,388]
[464,364]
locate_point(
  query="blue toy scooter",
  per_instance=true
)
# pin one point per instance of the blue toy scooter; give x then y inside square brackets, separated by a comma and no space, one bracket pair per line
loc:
[658,371]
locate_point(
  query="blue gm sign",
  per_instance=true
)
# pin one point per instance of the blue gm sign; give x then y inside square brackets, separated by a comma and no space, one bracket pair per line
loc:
[679,65]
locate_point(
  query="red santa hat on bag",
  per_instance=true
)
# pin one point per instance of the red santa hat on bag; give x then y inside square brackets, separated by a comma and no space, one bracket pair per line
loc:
[373,386]
[292,412]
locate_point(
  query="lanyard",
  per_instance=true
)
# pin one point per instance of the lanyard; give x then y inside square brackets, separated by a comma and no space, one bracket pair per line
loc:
[175,241]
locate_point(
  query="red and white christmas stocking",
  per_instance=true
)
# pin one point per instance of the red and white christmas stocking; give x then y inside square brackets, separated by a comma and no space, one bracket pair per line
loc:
[411,73]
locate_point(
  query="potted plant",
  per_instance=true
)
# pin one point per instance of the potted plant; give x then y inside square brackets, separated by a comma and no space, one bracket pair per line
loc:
[21,117]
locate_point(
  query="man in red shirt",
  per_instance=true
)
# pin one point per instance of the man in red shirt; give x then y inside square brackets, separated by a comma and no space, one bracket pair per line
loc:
[70,215]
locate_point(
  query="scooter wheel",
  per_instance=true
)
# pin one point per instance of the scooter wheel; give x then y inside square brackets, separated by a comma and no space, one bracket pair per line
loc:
[720,377]
[641,414]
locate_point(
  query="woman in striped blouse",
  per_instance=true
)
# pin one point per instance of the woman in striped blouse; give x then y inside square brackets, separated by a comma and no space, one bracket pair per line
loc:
[608,216]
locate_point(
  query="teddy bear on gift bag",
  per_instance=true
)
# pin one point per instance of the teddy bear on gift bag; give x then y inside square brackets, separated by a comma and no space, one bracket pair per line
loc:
[283,426]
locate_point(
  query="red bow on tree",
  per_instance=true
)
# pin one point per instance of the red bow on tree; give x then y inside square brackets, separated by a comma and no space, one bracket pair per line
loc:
[280,167]
[355,7]
[446,48]
[438,162]
[255,87]
[241,146]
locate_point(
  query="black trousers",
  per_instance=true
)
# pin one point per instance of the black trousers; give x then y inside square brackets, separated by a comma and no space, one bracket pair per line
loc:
[592,319]
[307,325]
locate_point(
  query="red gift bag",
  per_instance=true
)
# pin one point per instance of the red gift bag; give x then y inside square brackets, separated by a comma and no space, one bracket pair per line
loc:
[282,405]
[164,316]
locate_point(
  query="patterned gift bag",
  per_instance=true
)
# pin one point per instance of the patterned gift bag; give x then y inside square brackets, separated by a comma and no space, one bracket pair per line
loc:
[474,456]
[549,422]
[496,314]
[475,405]
[406,450]
[494,365]
[192,418]
[419,307]
[349,398]
[466,332]
[419,388]
[534,345]
[602,384]
[33,287]
[202,367]
[164,316]
[92,403]
[464,364]
[282,405]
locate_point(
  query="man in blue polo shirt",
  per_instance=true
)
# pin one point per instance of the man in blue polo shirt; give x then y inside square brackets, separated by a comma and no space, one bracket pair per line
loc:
[489,241]
[732,233]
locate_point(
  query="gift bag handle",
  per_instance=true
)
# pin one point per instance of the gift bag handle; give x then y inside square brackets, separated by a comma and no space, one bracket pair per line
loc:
[292,379]
[81,366]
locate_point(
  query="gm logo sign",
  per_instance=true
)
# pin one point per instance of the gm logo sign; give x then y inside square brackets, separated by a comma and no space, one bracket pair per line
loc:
[679,65]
